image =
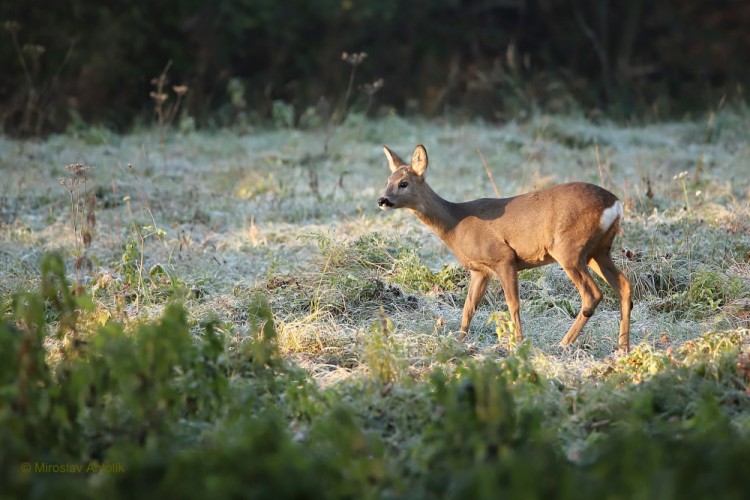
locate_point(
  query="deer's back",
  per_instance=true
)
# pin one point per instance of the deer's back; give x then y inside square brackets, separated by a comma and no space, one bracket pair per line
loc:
[532,223]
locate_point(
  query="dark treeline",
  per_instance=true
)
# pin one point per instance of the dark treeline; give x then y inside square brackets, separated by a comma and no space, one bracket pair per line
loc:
[93,62]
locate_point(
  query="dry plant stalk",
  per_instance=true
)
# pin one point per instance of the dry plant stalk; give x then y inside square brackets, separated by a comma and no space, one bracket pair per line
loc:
[489,173]
[165,115]
[83,211]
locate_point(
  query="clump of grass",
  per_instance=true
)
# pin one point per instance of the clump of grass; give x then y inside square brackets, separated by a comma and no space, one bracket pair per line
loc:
[381,352]
[710,290]
[643,362]
[354,280]
[350,295]
[703,292]
[714,353]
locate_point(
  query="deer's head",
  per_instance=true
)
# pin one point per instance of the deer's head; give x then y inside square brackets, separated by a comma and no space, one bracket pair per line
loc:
[405,186]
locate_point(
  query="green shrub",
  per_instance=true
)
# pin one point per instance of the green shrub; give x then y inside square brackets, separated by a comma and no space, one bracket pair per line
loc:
[703,458]
[485,439]
[114,386]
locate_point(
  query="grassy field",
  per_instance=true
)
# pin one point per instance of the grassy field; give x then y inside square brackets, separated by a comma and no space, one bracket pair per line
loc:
[335,323]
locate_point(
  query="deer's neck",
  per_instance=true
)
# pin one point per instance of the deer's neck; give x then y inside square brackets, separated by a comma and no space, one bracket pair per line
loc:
[438,213]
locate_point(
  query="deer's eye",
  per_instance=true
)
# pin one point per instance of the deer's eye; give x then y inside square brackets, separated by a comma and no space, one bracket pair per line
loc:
[403,184]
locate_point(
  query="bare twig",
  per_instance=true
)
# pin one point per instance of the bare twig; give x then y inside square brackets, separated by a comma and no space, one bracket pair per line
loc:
[599,164]
[13,27]
[341,110]
[489,173]
[142,193]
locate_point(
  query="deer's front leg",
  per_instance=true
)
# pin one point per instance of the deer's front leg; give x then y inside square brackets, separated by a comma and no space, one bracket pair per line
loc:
[508,274]
[477,287]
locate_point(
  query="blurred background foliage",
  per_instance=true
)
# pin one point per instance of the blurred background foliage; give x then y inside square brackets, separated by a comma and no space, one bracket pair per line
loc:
[82,62]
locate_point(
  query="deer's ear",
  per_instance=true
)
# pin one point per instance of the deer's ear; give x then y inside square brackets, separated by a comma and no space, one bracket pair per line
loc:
[394,162]
[419,160]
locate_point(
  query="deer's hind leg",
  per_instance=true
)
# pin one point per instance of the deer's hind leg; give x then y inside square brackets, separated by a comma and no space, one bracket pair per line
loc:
[603,266]
[590,298]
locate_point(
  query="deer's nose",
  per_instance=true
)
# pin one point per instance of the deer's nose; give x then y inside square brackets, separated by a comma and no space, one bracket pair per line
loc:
[384,202]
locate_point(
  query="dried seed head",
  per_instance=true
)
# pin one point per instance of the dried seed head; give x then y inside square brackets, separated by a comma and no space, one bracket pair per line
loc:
[159,97]
[354,59]
[77,169]
[33,50]
[372,88]
[180,89]
[12,26]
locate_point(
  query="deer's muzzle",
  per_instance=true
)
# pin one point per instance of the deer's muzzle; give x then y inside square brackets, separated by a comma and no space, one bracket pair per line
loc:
[384,202]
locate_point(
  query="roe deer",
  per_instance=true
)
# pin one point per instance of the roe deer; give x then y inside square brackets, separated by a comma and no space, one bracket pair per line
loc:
[572,224]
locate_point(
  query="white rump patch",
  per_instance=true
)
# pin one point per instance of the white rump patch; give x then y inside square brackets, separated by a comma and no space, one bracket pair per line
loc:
[610,215]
